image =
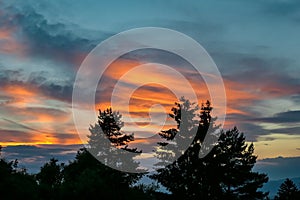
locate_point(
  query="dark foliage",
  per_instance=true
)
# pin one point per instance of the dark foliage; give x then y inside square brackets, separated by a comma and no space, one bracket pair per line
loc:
[108,143]
[50,179]
[16,183]
[86,178]
[288,191]
[225,173]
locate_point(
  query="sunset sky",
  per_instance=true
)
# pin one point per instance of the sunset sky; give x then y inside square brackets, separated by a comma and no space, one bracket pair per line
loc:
[255,45]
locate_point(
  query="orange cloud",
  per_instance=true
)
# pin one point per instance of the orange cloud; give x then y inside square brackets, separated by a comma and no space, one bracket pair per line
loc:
[30,111]
[32,137]
[5,34]
[8,43]
[19,91]
[29,137]
[23,95]
[158,94]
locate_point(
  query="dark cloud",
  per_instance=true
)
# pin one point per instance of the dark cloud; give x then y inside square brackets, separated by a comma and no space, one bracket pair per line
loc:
[283,117]
[252,131]
[21,126]
[295,98]
[38,78]
[252,128]
[8,76]
[245,123]
[65,138]
[256,67]
[238,116]
[5,99]
[42,38]
[38,82]
[150,55]
[52,39]
[252,69]
[56,91]
[159,89]
[288,130]
[15,135]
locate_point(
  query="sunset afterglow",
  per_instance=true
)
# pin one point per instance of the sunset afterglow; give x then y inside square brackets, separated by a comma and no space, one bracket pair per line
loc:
[40,54]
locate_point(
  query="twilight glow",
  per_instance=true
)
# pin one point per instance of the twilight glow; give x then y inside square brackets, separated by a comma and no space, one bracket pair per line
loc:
[255,45]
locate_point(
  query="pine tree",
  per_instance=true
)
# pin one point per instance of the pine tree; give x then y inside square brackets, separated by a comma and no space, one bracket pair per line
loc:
[233,160]
[106,179]
[109,144]
[288,191]
[225,173]
[174,147]
[179,176]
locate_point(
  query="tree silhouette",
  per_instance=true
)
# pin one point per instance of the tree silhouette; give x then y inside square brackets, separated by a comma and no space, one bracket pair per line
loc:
[225,173]
[231,163]
[49,179]
[108,144]
[179,138]
[15,183]
[87,178]
[288,191]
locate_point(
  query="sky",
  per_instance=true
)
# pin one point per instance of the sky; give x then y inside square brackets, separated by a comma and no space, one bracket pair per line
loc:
[255,45]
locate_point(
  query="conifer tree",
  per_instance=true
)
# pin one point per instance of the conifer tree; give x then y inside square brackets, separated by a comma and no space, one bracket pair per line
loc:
[287,191]
[110,144]
[225,173]
[107,147]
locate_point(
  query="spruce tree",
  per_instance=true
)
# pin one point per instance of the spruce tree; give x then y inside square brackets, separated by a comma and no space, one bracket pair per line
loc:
[91,173]
[109,144]
[225,173]
[287,191]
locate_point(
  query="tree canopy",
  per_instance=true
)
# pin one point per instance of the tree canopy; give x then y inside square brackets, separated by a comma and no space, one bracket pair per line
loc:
[288,191]
[225,173]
